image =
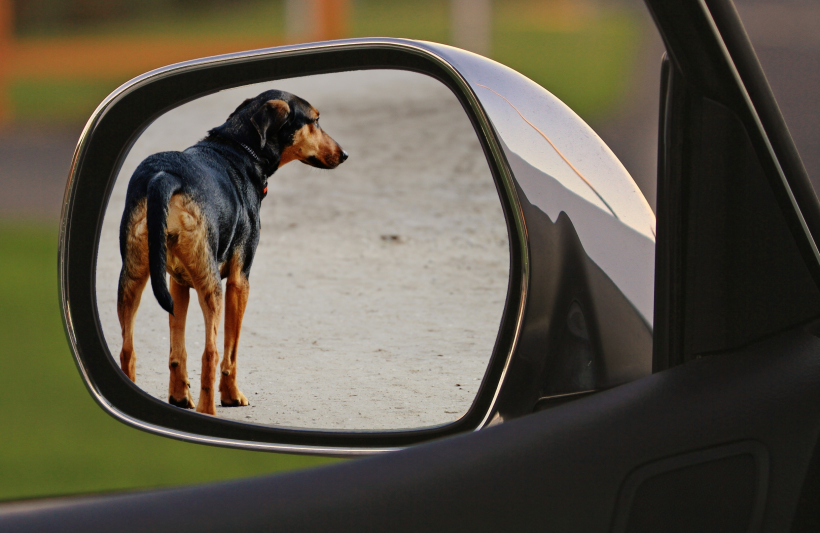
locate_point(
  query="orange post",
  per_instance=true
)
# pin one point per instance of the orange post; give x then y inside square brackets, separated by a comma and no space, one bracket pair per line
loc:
[333,17]
[6,50]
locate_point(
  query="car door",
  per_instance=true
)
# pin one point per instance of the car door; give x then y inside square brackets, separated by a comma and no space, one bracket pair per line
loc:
[721,437]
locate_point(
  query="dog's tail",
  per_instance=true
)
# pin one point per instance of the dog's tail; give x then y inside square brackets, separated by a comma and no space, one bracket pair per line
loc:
[160,189]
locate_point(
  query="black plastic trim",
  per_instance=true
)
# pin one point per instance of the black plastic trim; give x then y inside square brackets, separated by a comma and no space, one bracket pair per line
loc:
[644,473]
[734,261]
[558,470]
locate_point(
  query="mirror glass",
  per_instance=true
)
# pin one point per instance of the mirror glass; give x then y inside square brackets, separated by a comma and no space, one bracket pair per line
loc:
[376,280]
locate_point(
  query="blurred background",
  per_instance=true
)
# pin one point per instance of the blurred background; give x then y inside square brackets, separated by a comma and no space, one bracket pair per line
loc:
[60,58]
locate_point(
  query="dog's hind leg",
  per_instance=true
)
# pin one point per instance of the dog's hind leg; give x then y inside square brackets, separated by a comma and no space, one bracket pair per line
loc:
[188,244]
[236,298]
[133,278]
[210,300]
[128,300]
[179,388]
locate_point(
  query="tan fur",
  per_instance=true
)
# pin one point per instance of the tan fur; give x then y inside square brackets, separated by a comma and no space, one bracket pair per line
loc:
[188,256]
[211,303]
[189,264]
[311,141]
[179,388]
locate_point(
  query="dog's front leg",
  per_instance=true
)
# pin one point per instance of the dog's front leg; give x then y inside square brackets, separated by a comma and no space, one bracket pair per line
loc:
[179,388]
[210,299]
[236,298]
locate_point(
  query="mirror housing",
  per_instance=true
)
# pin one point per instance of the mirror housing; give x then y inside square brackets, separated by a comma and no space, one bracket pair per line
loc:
[578,313]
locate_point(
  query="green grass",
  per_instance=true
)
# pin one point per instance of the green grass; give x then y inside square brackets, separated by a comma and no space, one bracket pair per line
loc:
[60,100]
[585,59]
[56,440]
[589,66]
[426,20]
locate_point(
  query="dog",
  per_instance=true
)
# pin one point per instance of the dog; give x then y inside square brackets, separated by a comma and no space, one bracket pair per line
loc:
[195,215]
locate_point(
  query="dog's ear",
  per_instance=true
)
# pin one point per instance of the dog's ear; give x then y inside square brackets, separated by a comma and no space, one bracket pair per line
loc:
[240,108]
[272,116]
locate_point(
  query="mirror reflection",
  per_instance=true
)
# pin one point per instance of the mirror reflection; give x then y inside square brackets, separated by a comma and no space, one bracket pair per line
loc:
[354,218]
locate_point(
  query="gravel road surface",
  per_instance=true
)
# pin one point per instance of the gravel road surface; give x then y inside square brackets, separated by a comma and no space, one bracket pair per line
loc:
[378,287]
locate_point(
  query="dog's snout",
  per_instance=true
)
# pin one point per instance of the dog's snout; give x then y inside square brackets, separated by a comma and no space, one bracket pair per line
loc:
[344,156]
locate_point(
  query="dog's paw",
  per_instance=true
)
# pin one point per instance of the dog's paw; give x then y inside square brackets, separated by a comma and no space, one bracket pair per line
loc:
[206,409]
[185,403]
[238,402]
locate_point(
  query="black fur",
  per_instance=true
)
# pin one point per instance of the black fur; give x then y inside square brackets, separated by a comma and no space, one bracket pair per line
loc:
[224,178]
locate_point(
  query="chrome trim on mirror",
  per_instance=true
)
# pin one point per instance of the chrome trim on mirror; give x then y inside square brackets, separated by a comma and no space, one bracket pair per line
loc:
[429,52]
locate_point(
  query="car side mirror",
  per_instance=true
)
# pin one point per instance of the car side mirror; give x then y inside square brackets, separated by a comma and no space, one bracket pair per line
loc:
[469,252]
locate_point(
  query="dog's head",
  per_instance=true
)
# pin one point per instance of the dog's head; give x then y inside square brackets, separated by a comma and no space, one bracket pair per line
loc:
[280,125]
